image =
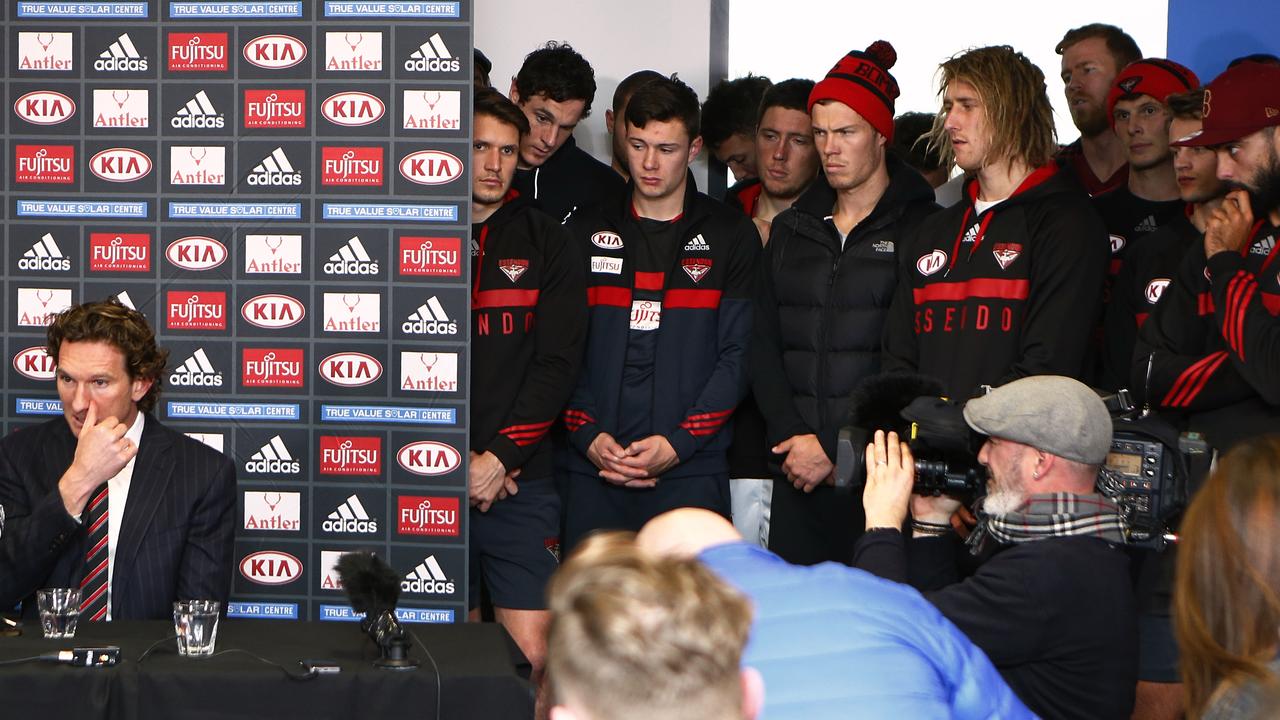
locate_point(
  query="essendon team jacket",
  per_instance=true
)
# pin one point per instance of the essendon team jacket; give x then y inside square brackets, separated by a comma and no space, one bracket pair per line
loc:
[528,326]
[1014,291]
[1210,351]
[700,364]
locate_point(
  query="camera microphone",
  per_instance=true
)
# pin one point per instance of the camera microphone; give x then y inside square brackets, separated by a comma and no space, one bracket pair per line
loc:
[374,589]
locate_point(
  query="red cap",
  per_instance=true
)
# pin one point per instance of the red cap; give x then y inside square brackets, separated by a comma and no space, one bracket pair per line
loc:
[1156,77]
[1241,101]
[862,81]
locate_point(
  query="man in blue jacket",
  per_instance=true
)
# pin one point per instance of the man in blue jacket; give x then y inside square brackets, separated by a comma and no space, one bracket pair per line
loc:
[669,288]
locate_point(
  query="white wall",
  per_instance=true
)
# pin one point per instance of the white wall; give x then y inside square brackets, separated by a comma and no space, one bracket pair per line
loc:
[617,37]
[809,37]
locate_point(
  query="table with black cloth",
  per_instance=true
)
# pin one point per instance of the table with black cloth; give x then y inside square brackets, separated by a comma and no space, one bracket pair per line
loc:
[480,675]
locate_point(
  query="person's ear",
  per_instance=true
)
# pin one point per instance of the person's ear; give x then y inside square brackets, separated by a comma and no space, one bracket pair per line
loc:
[752,693]
[695,147]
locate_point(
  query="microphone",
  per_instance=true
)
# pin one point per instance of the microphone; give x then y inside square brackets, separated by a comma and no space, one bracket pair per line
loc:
[374,589]
[876,404]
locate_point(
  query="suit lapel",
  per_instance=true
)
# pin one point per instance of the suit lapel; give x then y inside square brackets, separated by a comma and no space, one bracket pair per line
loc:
[152,471]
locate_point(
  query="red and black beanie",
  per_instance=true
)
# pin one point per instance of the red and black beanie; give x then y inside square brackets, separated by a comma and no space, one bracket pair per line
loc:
[1156,77]
[862,81]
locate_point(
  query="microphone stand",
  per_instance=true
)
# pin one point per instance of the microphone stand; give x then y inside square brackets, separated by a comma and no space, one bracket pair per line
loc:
[392,640]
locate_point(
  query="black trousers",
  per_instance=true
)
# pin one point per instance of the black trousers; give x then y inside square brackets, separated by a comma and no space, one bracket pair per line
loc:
[809,528]
[591,503]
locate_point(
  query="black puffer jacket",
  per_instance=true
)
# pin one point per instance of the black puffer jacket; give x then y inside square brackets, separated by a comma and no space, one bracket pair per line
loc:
[823,307]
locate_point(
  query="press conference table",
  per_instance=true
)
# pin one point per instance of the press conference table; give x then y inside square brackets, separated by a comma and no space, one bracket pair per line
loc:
[478,675]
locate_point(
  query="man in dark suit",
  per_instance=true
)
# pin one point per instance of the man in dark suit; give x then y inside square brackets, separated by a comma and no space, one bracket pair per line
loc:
[107,499]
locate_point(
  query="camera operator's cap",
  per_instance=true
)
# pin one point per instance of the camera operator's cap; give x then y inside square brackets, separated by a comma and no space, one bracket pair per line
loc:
[1052,413]
[1241,101]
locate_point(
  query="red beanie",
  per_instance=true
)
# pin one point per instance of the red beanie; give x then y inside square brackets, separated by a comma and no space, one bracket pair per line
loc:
[1156,77]
[862,81]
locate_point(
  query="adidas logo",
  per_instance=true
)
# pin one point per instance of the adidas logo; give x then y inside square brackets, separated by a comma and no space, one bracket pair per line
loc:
[351,259]
[429,319]
[123,56]
[44,255]
[432,56]
[273,457]
[697,243]
[351,517]
[275,169]
[123,298]
[971,234]
[427,578]
[198,114]
[1263,246]
[196,371]
[1147,225]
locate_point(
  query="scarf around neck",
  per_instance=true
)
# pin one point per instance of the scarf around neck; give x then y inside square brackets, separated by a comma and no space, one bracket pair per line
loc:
[1047,515]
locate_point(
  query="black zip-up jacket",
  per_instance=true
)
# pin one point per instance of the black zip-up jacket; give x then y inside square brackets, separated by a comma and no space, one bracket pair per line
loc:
[700,363]
[571,179]
[528,328]
[823,306]
[1209,355]
[1014,291]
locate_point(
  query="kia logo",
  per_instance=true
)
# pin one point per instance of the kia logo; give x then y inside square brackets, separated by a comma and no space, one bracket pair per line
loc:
[353,109]
[428,457]
[44,107]
[271,567]
[350,369]
[34,363]
[120,165]
[196,252]
[273,311]
[431,167]
[275,52]
[607,240]
[931,263]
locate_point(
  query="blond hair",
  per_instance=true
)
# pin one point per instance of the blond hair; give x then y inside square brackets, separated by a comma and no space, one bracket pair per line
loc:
[637,637]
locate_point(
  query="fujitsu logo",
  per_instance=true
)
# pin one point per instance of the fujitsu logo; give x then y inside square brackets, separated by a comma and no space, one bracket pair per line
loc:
[431,167]
[34,363]
[275,52]
[196,252]
[122,56]
[352,166]
[431,256]
[353,109]
[274,254]
[120,165]
[275,108]
[44,107]
[197,165]
[353,312]
[434,516]
[353,51]
[429,371]
[46,51]
[54,164]
[121,108]
[199,310]
[38,306]
[432,109]
[272,367]
[273,311]
[350,369]
[197,52]
[120,252]
[350,455]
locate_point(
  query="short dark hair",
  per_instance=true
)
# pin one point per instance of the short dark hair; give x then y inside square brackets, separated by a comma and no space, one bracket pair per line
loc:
[497,106]
[1122,47]
[1263,58]
[791,94]
[483,63]
[911,141]
[1188,105]
[664,99]
[732,108]
[628,86]
[559,72]
[125,329]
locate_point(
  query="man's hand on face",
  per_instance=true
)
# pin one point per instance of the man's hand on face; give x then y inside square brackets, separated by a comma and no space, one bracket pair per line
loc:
[807,464]
[101,451]
[1229,226]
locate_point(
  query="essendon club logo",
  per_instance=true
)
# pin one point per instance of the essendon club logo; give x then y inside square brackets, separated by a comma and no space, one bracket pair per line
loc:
[272,367]
[696,268]
[196,310]
[45,51]
[120,252]
[428,457]
[196,253]
[197,52]
[44,107]
[433,516]
[120,165]
[48,164]
[1006,253]
[353,51]
[34,363]
[431,256]
[273,311]
[275,108]
[353,109]
[342,455]
[431,167]
[351,166]
[275,52]
[350,369]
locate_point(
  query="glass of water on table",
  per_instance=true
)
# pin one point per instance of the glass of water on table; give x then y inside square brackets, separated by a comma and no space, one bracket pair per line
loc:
[59,611]
[196,624]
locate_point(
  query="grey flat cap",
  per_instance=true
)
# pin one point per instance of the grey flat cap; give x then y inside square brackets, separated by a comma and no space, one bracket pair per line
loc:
[1052,413]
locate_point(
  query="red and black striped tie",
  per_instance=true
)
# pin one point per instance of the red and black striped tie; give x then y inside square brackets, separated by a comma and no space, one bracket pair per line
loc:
[93,589]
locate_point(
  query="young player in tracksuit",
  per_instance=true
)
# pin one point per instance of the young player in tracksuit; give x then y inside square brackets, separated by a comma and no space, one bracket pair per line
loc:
[1006,283]
[669,287]
[528,315]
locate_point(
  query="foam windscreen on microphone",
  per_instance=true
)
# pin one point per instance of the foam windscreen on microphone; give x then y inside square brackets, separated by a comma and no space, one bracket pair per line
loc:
[371,585]
[877,402]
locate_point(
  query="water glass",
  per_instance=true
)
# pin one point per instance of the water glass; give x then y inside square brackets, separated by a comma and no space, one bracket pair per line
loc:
[59,611]
[196,624]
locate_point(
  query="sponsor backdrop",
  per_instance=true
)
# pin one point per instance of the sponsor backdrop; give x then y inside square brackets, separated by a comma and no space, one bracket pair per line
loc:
[280,188]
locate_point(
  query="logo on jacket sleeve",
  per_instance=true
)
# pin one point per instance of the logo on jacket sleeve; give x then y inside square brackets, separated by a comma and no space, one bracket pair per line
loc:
[513,268]
[931,263]
[695,268]
[698,243]
[1155,289]
[1006,253]
[607,240]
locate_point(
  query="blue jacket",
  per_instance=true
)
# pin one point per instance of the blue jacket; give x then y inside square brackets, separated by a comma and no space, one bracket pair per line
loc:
[836,642]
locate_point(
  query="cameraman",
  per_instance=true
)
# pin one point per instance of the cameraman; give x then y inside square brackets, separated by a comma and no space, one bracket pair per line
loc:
[1051,602]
